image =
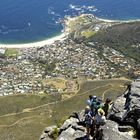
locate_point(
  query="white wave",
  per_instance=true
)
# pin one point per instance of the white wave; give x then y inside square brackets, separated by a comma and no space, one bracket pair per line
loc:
[82,9]
[52,12]
[29,24]
[72,6]
[9,31]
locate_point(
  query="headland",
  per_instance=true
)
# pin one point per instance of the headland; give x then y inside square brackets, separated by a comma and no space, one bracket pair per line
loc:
[67,25]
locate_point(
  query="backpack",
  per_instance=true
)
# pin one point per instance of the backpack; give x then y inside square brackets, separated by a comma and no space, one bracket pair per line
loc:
[94,107]
[88,118]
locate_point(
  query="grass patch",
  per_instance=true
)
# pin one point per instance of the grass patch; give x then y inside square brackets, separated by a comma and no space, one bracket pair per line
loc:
[11,52]
[19,103]
[88,33]
[29,125]
[58,83]
[89,85]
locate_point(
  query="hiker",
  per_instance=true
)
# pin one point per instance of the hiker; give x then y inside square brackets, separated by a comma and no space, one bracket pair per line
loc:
[100,117]
[129,88]
[99,120]
[89,101]
[93,105]
[106,106]
[88,120]
[126,95]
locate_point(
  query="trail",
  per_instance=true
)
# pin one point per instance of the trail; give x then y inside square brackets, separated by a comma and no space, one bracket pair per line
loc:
[103,96]
[46,105]
[31,109]
[18,121]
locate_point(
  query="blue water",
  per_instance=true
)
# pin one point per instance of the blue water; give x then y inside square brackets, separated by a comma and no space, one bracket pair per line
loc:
[23,21]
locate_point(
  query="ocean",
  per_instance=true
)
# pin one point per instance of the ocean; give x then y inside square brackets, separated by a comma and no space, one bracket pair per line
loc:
[24,21]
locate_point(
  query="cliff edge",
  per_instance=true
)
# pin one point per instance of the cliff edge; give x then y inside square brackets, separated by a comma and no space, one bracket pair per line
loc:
[123,122]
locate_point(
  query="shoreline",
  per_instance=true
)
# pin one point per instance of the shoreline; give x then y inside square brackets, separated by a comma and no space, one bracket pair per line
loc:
[49,41]
[122,21]
[60,37]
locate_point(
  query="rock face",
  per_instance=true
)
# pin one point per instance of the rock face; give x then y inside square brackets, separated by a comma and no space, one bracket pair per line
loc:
[111,132]
[126,109]
[70,130]
[123,118]
[73,129]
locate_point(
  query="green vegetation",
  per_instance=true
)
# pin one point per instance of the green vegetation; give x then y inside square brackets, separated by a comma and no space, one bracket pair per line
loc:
[55,133]
[19,103]
[50,67]
[123,37]
[11,52]
[87,33]
[61,121]
[30,120]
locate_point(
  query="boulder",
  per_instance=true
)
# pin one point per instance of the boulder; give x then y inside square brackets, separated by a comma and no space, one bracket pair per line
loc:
[71,134]
[111,132]
[75,126]
[125,128]
[126,109]
[68,123]
[79,134]
[45,136]
[81,116]
[49,129]
[67,134]
[118,112]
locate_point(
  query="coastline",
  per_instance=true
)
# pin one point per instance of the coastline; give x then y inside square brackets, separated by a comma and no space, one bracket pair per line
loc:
[60,37]
[121,21]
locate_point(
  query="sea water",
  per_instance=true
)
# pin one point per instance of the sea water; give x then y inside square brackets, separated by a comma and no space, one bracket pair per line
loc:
[23,21]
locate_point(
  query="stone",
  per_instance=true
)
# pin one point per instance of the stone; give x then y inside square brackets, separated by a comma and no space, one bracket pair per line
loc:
[75,126]
[81,115]
[45,136]
[118,105]
[79,134]
[67,135]
[125,128]
[68,123]
[50,128]
[111,132]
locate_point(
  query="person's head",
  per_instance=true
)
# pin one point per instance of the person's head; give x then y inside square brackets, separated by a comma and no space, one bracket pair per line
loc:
[101,112]
[98,103]
[87,108]
[90,97]
[108,100]
[100,100]
[94,97]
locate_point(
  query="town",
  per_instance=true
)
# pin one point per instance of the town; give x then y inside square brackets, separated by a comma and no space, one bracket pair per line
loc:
[30,70]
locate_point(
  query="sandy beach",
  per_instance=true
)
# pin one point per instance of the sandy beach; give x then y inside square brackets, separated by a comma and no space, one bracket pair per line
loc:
[121,21]
[60,37]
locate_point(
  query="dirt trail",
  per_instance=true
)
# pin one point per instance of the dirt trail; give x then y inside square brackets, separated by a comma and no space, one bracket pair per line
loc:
[46,105]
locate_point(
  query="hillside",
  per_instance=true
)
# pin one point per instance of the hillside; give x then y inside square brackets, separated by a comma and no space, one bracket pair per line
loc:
[123,121]
[121,36]
[124,37]
[35,112]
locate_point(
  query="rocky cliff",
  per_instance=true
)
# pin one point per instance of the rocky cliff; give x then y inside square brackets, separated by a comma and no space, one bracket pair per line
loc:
[123,122]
